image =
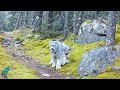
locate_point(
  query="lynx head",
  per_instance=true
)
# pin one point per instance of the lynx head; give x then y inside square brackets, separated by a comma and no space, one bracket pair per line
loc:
[54,46]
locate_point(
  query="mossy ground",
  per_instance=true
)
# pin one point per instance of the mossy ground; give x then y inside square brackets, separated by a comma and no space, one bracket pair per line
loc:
[39,50]
[1,38]
[18,71]
[21,33]
[110,73]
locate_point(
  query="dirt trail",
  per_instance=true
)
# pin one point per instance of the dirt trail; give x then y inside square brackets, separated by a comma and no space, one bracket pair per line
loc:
[43,72]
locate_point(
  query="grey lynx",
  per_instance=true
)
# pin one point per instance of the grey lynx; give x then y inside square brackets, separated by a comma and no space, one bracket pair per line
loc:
[59,52]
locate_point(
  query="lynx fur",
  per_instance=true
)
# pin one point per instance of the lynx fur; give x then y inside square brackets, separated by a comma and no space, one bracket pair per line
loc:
[59,52]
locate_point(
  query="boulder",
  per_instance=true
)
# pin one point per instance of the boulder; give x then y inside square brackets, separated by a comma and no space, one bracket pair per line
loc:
[95,61]
[28,36]
[92,31]
[36,36]
[17,46]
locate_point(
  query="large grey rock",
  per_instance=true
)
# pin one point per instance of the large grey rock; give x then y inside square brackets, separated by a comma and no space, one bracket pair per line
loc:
[95,61]
[92,31]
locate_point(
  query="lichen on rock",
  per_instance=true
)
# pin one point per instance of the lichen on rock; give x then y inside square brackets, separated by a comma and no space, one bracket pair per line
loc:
[91,32]
[95,61]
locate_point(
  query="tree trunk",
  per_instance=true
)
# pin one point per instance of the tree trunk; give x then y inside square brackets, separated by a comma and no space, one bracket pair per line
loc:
[37,21]
[1,21]
[26,19]
[50,20]
[18,20]
[75,26]
[95,14]
[111,28]
[45,20]
[50,17]
[80,20]
[33,18]
[66,25]
[62,19]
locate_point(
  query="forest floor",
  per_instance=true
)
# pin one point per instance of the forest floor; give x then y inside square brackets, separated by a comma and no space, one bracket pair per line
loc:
[31,59]
[43,72]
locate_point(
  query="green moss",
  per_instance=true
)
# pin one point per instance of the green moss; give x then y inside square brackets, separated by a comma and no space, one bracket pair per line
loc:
[117,38]
[38,50]
[69,41]
[1,38]
[21,72]
[117,62]
[118,28]
[21,33]
[86,22]
[108,68]
[109,73]
[76,56]
[18,71]
[106,75]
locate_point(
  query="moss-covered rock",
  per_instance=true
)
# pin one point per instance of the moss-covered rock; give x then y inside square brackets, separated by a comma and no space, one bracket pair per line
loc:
[94,31]
[109,73]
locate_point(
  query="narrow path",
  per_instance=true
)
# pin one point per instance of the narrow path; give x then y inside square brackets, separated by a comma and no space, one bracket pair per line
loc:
[43,72]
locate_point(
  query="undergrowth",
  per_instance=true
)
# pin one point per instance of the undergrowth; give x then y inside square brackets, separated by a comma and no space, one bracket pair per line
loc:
[18,71]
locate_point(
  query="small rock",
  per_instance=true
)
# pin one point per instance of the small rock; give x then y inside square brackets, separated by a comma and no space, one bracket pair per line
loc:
[36,36]
[116,68]
[28,36]
[47,75]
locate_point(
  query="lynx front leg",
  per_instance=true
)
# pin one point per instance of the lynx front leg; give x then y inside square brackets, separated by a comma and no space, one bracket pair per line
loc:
[58,65]
[67,61]
[53,62]
[63,59]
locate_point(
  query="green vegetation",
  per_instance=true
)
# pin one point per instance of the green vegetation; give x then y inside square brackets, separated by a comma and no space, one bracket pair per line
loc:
[39,50]
[17,71]
[34,29]
[109,73]
[21,33]
[1,38]
[118,28]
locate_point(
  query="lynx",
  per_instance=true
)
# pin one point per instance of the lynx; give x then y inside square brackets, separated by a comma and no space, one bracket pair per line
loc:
[59,52]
